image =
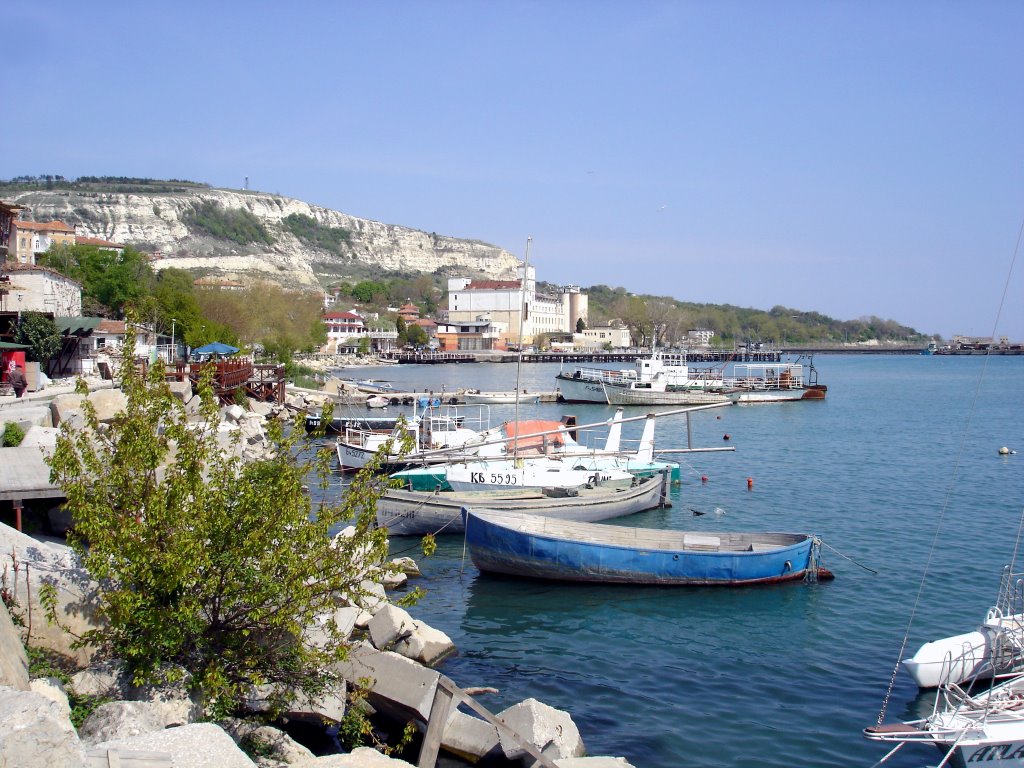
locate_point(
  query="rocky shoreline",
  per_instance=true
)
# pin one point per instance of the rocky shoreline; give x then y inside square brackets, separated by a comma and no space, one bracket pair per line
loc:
[394,657]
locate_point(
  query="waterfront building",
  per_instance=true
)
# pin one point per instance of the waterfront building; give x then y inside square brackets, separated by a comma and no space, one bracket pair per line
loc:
[471,335]
[347,330]
[601,336]
[515,303]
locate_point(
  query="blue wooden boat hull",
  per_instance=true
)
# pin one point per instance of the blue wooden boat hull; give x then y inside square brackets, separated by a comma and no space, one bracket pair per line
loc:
[498,547]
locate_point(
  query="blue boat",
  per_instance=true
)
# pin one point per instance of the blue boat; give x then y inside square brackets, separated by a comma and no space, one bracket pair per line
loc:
[545,548]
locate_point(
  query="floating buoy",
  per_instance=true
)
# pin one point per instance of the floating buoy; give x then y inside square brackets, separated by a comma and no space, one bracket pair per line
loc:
[750,483]
[1004,451]
[703,478]
[718,417]
[725,436]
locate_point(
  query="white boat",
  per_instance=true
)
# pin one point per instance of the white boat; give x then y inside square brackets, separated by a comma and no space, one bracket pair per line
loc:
[660,379]
[475,396]
[773,383]
[983,728]
[377,401]
[666,379]
[537,457]
[994,648]
[415,513]
[435,428]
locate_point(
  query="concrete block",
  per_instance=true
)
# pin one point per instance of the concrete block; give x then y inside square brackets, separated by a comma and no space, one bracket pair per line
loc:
[397,683]
[550,730]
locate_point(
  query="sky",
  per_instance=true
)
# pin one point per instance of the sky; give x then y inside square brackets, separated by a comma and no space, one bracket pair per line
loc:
[858,158]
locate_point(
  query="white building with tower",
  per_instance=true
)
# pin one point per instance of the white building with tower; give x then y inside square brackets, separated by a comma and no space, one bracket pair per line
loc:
[503,301]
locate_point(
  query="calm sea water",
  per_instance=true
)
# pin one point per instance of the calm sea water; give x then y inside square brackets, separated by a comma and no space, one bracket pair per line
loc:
[770,676]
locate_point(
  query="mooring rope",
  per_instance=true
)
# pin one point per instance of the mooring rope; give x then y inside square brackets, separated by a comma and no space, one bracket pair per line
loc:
[952,480]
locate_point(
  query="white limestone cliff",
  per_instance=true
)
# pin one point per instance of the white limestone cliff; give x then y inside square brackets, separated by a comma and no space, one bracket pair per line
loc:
[154,223]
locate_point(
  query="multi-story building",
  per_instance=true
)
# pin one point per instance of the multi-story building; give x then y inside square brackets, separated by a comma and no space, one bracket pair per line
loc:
[700,337]
[601,336]
[29,239]
[346,330]
[516,303]
[41,289]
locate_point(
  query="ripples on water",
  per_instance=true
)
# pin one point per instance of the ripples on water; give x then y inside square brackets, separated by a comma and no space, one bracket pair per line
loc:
[775,676]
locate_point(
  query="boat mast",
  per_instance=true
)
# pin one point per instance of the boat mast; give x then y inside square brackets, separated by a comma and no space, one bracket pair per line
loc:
[519,359]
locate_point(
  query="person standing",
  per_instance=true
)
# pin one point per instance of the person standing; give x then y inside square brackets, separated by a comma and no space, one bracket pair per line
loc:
[16,377]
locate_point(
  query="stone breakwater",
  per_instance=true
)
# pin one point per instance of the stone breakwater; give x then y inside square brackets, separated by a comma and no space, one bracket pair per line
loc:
[397,654]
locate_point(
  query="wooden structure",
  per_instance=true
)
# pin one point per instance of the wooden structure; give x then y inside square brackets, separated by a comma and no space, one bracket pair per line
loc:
[260,382]
[446,695]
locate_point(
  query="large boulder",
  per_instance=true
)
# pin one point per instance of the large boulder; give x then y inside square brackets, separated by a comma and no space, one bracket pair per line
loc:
[117,720]
[66,407]
[200,745]
[469,737]
[46,562]
[26,416]
[392,628]
[36,732]
[397,684]
[181,390]
[13,660]
[53,689]
[272,743]
[550,730]
[168,704]
[108,403]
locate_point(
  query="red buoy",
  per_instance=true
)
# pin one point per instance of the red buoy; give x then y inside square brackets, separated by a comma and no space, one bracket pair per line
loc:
[725,436]
[703,478]
[750,483]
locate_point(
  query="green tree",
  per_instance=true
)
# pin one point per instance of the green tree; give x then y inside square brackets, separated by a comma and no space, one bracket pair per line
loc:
[415,335]
[41,335]
[581,325]
[209,562]
[403,335]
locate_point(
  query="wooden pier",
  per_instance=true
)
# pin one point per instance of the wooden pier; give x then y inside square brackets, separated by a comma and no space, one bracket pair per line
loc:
[260,382]
[429,358]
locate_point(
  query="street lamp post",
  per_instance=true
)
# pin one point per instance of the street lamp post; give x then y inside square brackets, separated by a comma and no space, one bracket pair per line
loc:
[173,356]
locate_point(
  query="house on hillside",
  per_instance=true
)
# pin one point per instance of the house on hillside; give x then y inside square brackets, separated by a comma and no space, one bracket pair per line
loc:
[40,289]
[100,244]
[29,239]
[409,313]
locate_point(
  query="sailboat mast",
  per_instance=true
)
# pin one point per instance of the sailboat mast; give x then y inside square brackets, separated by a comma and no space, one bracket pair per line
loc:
[519,359]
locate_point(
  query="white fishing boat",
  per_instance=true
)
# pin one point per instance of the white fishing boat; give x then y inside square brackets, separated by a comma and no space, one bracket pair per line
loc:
[415,513]
[773,383]
[544,452]
[660,379]
[434,429]
[475,396]
[376,401]
[994,648]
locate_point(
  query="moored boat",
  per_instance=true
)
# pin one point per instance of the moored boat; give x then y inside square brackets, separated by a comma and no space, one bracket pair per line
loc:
[660,379]
[773,383]
[981,728]
[420,512]
[537,547]
[475,396]
[995,648]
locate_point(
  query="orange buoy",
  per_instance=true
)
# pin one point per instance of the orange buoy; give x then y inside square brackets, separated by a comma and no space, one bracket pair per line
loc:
[750,483]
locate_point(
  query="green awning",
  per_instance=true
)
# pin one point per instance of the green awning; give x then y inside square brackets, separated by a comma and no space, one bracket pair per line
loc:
[77,326]
[12,345]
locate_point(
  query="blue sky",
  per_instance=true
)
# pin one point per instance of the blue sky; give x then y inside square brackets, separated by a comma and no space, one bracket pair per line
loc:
[853,158]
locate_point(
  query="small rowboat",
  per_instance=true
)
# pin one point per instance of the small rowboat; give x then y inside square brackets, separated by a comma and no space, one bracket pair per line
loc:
[539,547]
[415,513]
